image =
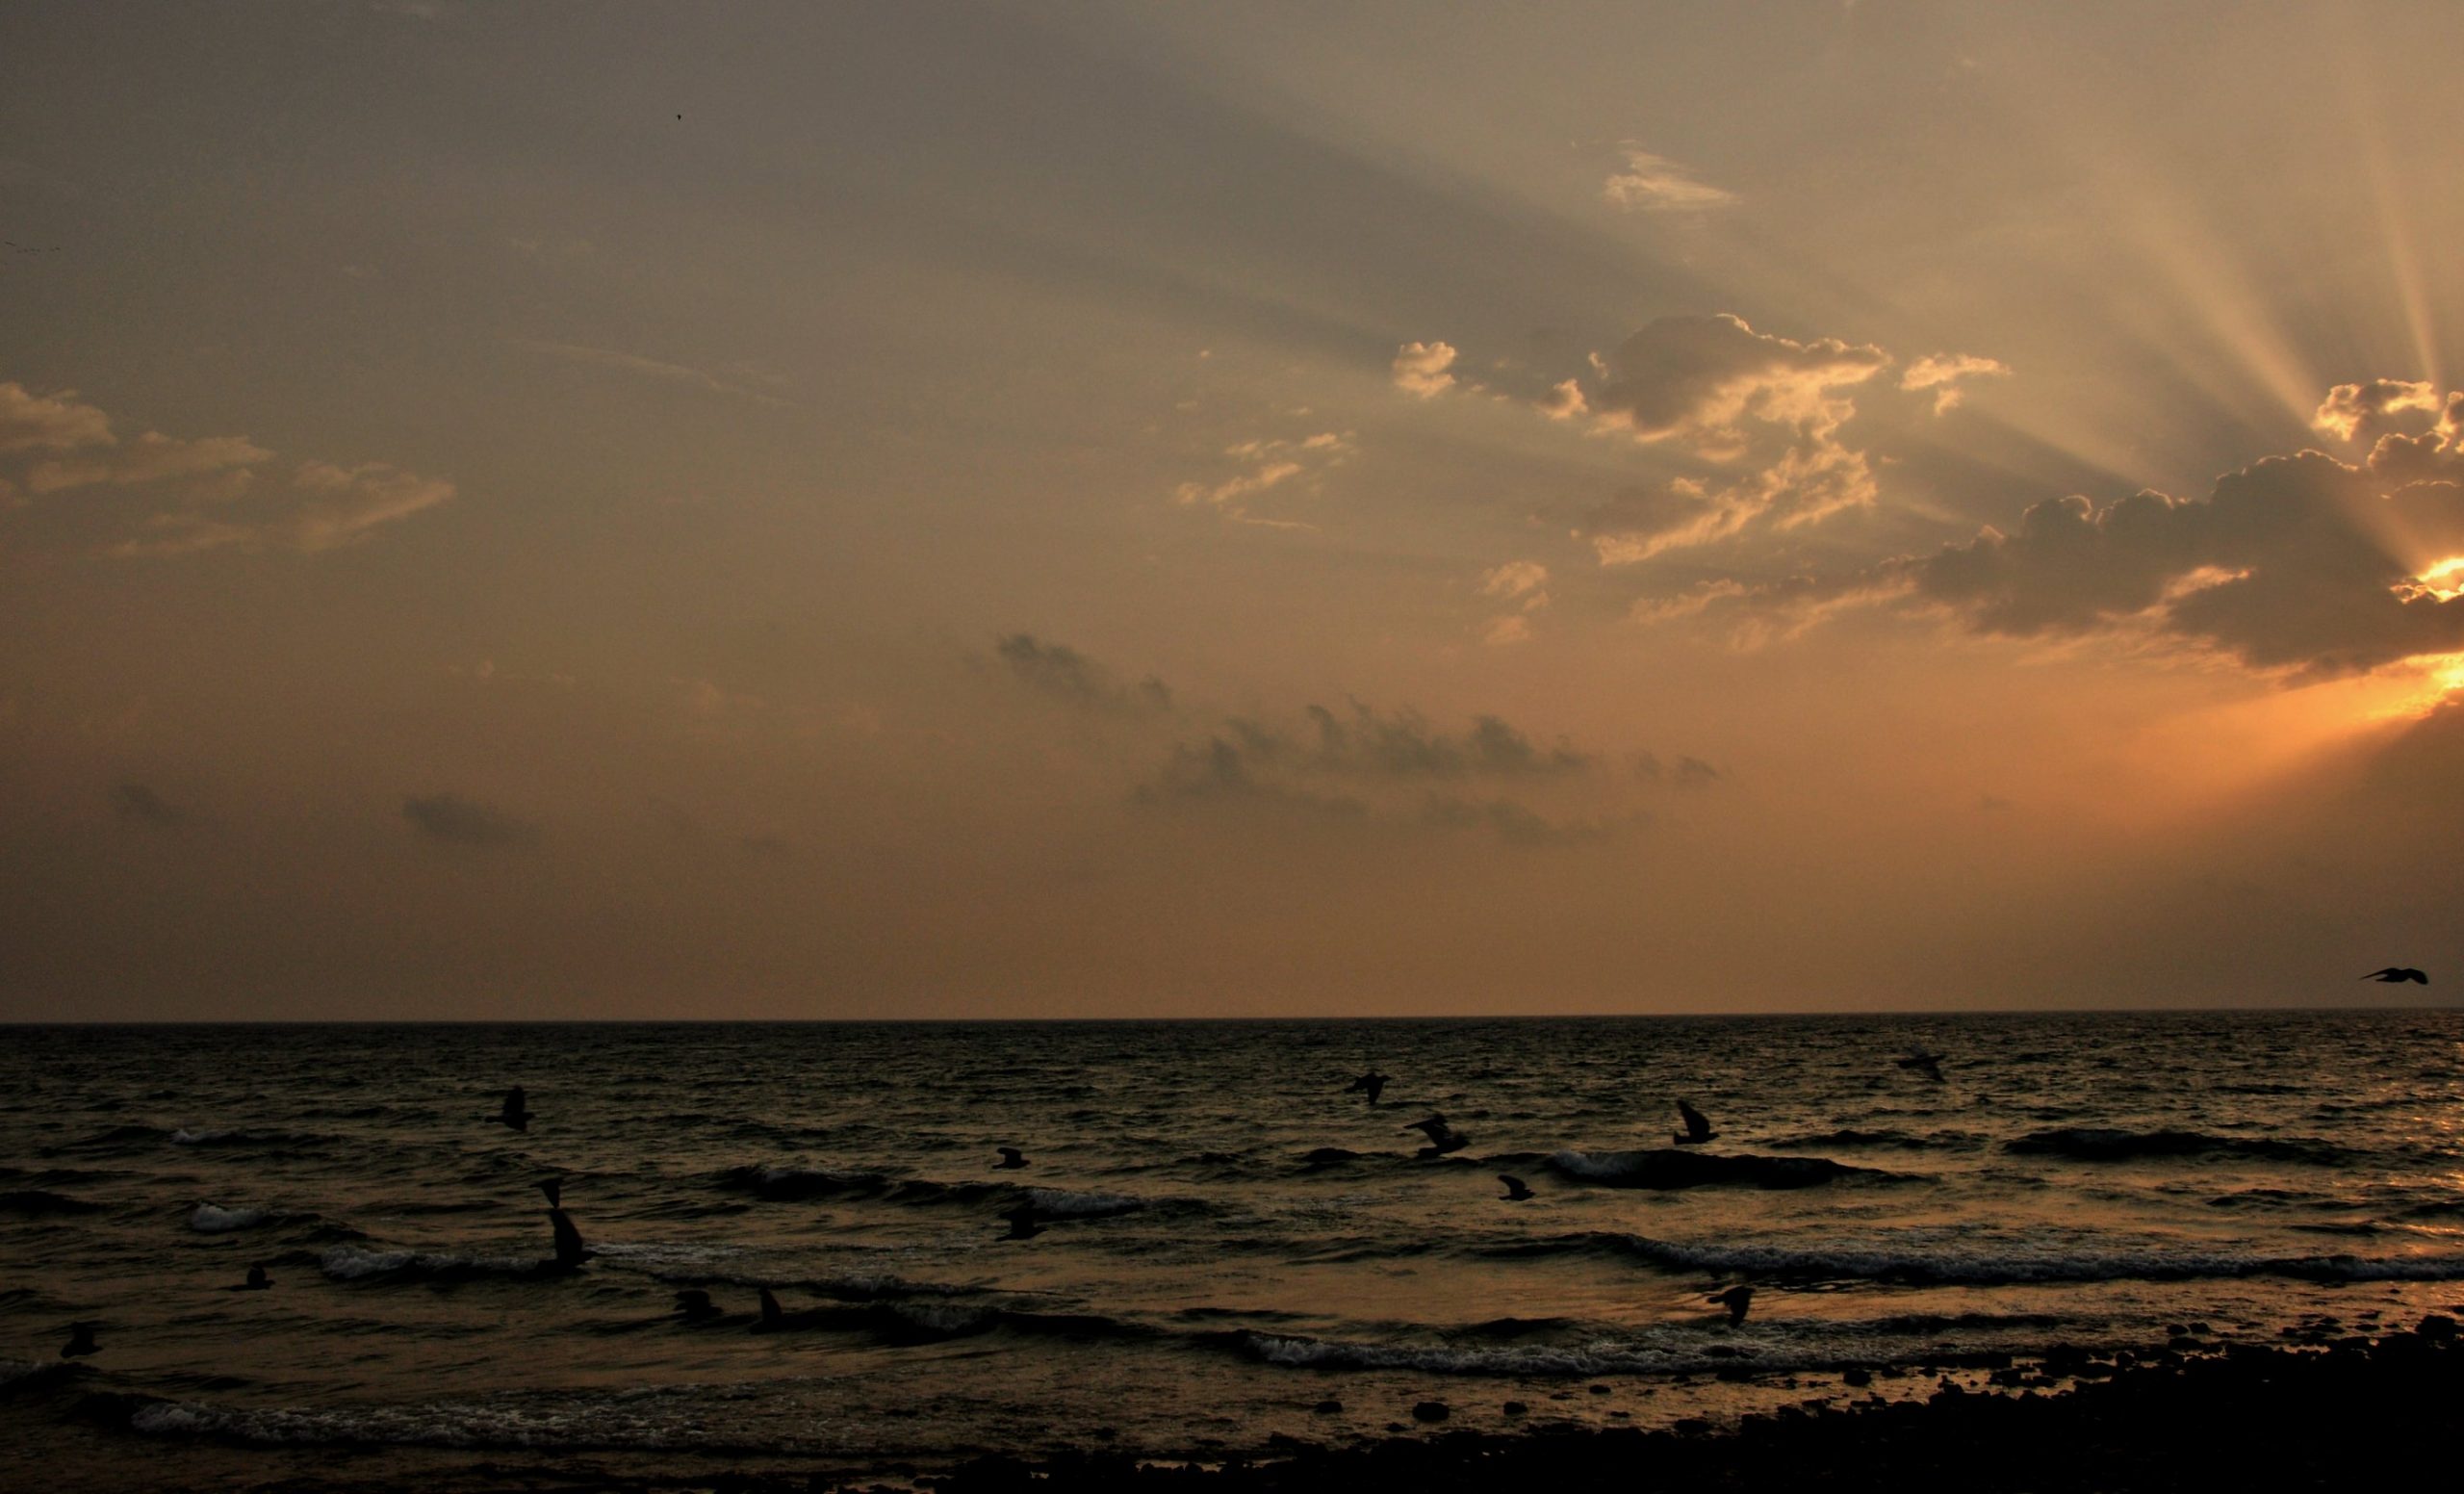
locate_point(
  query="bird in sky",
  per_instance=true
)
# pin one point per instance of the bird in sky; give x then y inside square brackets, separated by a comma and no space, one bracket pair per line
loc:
[1516,1189]
[2396,975]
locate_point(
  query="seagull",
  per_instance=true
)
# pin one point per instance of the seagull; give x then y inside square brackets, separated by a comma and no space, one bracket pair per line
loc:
[81,1341]
[694,1306]
[571,1252]
[1373,1083]
[2396,975]
[1022,1223]
[1442,1138]
[1918,1061]
[1738,1299]
[1698,1129]
[517,1110]
[258,1281]
[1011,1159]
[1516,1189]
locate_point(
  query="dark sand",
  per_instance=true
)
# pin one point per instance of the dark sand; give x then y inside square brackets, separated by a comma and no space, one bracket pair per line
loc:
[2313,1412]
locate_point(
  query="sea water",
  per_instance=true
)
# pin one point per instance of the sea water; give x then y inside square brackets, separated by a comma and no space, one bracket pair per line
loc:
[1229,1240]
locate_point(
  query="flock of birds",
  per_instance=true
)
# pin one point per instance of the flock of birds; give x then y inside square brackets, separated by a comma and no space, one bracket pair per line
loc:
[694,1306]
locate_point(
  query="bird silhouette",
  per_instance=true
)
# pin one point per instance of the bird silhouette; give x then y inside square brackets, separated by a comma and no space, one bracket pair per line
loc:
[773,1316]
[257,1281]
[1918,1061]
[517,1111]
[1736,1298]
[1372,1084]
[1698,1128]
[1516,1189]
[1011,1159]
[81,1341]
[1442,1138]
[2396,975]
[1022,1223]
[694,1306]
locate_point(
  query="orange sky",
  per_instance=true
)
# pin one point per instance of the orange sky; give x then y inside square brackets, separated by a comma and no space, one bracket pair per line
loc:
[1107,509]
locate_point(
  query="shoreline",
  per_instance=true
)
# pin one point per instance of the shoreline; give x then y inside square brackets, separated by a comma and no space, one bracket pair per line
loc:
[2314,1411]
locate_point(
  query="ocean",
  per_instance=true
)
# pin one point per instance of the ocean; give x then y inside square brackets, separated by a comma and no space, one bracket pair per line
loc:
[1222,1247]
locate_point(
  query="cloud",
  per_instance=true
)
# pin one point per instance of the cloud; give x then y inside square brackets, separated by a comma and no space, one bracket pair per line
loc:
[1063,673]
[1655,183]
[1941,372]
[645,368]
[1367,743]
[48,423]
[1420,369]
[325,508]
[1702,382]
[1523,579]
[1711,387]
[1518,824]
[2302,564]
[1526,584]
[143,805]
[226,500]
[2351,411]
[152,457]
[460,821]
[1263,464]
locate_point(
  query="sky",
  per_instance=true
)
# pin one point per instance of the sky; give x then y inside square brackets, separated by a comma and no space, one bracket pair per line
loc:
[1093,509]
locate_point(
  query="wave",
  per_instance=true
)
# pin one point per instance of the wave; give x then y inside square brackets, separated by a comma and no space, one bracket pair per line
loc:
[42,1203]
[214,1220]
[352,1263]
[2019,1266]
[1538,1361]
[1668,1169]
[1849,1136]
[787,1184]
[2102,1143]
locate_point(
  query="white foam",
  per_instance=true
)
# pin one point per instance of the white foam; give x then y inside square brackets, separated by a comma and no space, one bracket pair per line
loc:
[1065,1204]
[184,1137]
[214,1220]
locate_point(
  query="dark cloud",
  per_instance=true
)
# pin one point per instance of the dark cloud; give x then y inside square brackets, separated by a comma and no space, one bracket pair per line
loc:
[1365,743]
[464,822]
[1518,824]
[143,805]
[2302,563]
[1220,771]
[1063,673]
[2290,563]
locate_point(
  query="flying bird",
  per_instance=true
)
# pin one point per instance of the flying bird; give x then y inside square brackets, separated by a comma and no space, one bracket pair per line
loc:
[1736,1298]
[1516,1189]
[81,1341]
[1371,1083]
[1442,1138]
[1698,1128]
[258,1281]
[517,1111]
[1918,1061]
[2397,974]
[1011,1159]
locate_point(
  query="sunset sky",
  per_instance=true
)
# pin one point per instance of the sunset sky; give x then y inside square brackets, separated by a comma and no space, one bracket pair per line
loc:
[863,510]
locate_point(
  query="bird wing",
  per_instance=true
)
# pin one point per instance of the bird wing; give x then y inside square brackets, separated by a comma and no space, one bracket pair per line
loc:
[2392,972]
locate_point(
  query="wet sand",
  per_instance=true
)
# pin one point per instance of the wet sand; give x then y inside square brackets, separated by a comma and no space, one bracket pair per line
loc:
[2316,1411]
